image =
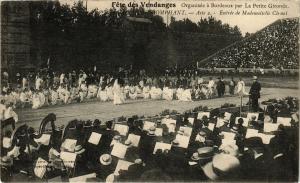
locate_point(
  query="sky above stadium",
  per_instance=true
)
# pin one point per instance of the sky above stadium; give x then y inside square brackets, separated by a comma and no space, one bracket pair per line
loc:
[247,23]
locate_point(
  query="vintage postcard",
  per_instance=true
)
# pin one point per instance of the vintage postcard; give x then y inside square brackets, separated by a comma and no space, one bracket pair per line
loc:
[149,90]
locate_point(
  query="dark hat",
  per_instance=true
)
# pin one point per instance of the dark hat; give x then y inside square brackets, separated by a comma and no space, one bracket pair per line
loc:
[253,142]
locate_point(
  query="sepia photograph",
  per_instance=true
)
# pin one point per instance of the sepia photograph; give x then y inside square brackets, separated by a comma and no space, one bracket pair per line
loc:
[149,90]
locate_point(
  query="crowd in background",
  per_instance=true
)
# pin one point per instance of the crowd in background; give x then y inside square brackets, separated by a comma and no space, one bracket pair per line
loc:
[220,146]
[275,46]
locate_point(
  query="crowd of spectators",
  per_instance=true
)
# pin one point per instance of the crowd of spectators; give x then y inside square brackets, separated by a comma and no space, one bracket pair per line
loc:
[275,46]
[199,145]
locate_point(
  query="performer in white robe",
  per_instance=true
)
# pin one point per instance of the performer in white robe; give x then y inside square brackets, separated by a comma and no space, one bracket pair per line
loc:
[83,91]
[9,112]
[167,93]
[38,83]
[205,92]
[146,92]
[102,94]
[139,92]
[74,94]
[42,99]
[92,91]
[211,86]
[186,95]
[118,95]
[126,91]
[110,93]
[23,97]
[133,93]
[36,101]
[179,93]
[54,97]
[155,93]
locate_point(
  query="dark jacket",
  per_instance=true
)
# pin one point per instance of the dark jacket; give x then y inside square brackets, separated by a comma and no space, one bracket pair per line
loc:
[255,90]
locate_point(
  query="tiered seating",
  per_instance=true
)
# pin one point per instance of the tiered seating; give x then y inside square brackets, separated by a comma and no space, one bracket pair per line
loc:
[274,46]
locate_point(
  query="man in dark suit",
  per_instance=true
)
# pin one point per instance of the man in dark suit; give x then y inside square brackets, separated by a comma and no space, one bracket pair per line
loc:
[220,87]
[254,94]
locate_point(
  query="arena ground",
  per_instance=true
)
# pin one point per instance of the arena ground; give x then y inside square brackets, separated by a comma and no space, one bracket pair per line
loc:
[107,111]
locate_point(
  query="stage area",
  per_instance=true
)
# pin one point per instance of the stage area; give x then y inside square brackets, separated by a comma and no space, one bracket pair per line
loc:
[107,110]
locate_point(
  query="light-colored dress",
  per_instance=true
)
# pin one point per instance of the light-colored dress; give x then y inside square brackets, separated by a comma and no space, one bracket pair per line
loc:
[146,92]
[156,93]
[186,95]
[118,94]
[179,93]
[167,93]
[36,101]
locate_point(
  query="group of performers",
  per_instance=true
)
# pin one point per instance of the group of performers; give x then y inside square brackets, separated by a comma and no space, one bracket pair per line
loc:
[118,90]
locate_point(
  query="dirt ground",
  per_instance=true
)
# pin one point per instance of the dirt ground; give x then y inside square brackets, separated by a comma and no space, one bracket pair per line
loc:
[107,111]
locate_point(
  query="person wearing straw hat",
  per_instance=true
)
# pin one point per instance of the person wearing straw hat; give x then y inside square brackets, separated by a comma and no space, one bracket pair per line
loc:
[132,152]
[223,167]
[254,94]
[199,158]
[107,166]
[147,143]
[81,164]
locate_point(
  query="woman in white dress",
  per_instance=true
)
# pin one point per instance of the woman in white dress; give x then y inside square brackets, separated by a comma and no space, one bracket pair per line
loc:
[132,92]
[156,93]
[118,94]
[54,97]
[186,95]
[35,101]
[110,93]
[102,94]
[146,92]
[179,92]
[42,98]
[167,93]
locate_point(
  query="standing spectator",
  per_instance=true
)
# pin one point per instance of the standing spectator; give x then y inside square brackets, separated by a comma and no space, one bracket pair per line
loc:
[232,85]
[220,87]
[254,94]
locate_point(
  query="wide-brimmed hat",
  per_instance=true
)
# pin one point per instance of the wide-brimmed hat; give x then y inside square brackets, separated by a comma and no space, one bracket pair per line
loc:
[6,161]
[175,142]
[205,152]
[254,78]
[230,149]
[105,159]
[127,142]
[117,137]
[202,133]
[79,149]
[139,161]
[151,130]
[222,164]
[195,156]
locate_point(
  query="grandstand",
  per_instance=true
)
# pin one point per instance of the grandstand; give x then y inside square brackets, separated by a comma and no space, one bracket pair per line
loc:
[275,46]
